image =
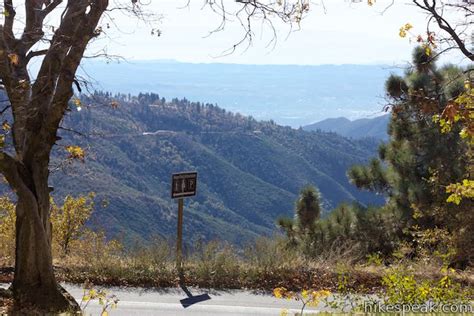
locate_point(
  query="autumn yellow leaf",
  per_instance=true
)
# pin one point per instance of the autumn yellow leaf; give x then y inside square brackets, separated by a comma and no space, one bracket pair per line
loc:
[278,292]
[402,33]
[467,84]
[75,152]
[304,294]
[428,51]
[14,59]
[284,312]
[68,224]
[6,126]
[77,102]
[92,292]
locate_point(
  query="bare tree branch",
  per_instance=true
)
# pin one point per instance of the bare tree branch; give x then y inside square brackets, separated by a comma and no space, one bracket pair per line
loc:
[10,13]
[5,109]
[33,54]
[431,8]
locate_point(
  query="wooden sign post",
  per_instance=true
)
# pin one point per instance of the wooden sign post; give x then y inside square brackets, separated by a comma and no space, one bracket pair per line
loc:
[179,240]
[182,185]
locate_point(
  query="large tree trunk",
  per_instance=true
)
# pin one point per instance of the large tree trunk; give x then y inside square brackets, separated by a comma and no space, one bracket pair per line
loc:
[34,282]
[38,107]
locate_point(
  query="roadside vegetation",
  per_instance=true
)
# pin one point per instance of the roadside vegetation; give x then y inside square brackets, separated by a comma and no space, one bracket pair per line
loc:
[422,236]
[423,171]
[267,264]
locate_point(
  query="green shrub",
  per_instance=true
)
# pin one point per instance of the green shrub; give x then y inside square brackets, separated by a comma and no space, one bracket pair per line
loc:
[402,287]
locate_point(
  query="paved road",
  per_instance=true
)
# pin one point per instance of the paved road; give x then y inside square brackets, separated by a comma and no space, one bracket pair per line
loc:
[192,301]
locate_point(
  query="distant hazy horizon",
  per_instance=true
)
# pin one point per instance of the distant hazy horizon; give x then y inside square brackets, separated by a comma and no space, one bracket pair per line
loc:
[131,61]
[293,95]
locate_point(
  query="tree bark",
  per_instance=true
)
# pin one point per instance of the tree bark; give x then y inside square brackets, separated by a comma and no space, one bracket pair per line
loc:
[38,108]
[34,283]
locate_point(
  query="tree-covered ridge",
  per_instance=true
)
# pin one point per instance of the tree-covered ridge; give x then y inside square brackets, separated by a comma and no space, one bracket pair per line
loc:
[366,127]
[249,172]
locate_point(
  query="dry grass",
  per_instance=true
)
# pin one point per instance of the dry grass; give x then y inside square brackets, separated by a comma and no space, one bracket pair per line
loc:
[244,278]
[265,265]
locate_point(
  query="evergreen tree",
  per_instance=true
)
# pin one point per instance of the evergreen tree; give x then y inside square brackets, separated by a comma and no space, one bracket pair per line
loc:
[418,162]
[307,213]
[308,208]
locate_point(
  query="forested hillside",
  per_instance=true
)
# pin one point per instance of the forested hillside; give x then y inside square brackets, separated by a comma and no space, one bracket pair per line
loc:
[367,127]
[249,172]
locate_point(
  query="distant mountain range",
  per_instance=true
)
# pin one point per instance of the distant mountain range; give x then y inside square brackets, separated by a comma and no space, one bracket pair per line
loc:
[250,172]
[289,94]
[374,127]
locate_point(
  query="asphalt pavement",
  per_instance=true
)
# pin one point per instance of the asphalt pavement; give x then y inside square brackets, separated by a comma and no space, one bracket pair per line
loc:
[187,301]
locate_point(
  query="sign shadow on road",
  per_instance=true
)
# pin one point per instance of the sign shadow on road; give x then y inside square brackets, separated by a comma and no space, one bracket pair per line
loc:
[183,185]
[192,299]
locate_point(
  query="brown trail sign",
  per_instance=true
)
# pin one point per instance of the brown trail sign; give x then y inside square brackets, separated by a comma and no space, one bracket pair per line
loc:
[182,185]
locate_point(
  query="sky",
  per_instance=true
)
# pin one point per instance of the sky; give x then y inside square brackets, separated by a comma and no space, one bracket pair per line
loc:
[334,32]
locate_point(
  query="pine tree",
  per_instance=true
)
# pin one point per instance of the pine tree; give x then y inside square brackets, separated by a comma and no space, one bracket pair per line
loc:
[308,208]
[419,160]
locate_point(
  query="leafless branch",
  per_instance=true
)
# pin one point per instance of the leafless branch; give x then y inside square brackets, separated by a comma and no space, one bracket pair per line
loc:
[436,13]
[33,54]
[249,11]
[5,109]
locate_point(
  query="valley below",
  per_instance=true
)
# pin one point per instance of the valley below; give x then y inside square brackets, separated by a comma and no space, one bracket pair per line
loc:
[249,171]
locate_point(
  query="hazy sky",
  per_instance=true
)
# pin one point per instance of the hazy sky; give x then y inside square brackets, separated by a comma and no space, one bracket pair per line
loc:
[343,33]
